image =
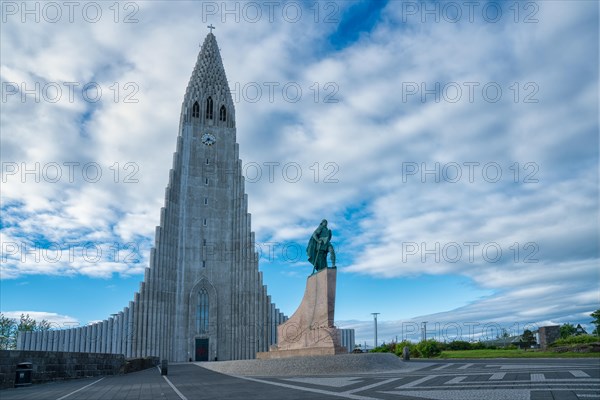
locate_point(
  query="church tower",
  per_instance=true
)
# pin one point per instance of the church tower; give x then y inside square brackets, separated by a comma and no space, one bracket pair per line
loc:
[220,307]
[202,297]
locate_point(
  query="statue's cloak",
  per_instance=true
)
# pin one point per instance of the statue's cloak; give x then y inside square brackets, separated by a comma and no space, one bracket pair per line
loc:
[311,250]
[313,246]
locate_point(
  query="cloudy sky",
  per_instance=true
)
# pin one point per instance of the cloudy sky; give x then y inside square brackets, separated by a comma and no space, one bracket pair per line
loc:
[452,146]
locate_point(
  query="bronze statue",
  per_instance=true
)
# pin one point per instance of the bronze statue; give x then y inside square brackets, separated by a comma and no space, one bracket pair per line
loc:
[318,247]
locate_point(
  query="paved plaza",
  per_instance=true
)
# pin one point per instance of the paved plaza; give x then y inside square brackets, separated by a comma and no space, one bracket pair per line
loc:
[500,379]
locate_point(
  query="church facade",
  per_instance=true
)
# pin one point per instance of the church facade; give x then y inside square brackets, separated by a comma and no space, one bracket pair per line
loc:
[202,297]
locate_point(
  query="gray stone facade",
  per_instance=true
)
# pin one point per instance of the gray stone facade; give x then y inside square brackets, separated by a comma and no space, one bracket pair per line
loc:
[202,296]
[546,335]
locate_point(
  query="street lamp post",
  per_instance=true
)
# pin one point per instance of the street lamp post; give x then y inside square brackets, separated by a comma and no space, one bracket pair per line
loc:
[424,330]
[375,314]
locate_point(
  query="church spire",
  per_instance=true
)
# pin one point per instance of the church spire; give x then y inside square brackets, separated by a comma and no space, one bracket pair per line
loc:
[208,78]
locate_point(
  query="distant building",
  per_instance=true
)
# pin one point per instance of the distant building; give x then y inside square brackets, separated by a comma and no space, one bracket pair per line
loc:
[348,339]
[547,335]
[580,331]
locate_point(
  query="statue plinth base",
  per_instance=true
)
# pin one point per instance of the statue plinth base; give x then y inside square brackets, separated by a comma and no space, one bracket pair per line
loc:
[310,331]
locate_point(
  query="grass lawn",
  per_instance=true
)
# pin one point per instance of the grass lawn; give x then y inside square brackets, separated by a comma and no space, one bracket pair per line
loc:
[513,354]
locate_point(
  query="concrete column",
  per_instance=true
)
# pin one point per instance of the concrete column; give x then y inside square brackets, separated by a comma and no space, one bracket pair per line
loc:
[249,286]
[118,343]
[81,336]
[158,255]
[160,301]
[42,341]
[83,340]
[125,330]
[129,328]
[150,309]
[90,338]
[156,309]
[163,252]
[44,335]
[163,255]
[110,335]
[62,333]
[237,337]
[61,340]
[33,340]
[242,335]
[244,286]
[115,335]
[137,327]
[101,337]
[112,328]
[261,320]
[94,337]
[77,340]
[20,340]
[41,345]
[65,339]
[53,341]
[83,343]
[99,340]
[71,342]
[143,337]
[105,336]
[38,341]
[151,312]
[87,343]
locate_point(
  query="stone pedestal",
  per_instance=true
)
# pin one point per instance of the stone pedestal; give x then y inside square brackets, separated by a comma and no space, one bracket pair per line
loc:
[310,330]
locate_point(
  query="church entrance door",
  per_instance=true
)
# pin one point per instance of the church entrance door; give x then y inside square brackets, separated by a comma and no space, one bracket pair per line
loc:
[201,349]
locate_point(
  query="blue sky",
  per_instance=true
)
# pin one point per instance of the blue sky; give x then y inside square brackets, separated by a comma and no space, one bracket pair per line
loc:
[454,151]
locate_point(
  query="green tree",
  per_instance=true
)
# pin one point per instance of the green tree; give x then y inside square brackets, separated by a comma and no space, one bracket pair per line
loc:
[8,331]
[43,325]
[596,322]
[26,323]
[567,330]
[528,338]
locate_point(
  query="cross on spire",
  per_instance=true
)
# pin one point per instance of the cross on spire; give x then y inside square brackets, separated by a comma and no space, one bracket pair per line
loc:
[211,27]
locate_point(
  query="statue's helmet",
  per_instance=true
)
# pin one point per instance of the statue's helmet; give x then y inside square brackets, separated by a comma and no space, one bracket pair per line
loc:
[324,222]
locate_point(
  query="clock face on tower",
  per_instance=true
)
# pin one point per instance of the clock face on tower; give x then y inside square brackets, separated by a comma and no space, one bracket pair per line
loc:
[208,139]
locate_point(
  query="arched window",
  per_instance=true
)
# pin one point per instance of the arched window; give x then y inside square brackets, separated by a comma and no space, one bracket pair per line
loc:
[209,108]
[202,312]
[196,110]
[223,114]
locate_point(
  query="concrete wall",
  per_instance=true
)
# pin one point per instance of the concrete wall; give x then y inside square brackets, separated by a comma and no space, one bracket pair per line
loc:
[548,335]
[50,366]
